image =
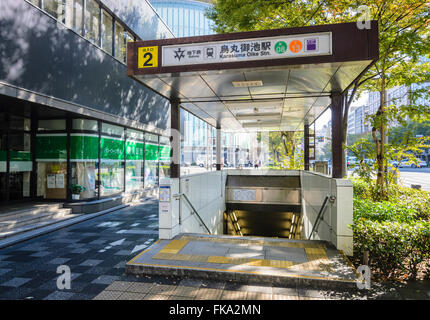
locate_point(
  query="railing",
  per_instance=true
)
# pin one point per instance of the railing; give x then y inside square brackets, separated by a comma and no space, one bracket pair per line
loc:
[319,216]
[235,223]
[202,223]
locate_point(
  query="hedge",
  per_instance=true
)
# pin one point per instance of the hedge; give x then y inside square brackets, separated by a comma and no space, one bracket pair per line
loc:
[395,232]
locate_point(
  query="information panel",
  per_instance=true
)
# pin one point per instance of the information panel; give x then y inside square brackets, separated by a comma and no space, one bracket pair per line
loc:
[248,49]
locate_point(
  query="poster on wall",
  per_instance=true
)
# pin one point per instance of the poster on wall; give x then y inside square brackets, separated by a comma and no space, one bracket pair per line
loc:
[59,181]
[50,181]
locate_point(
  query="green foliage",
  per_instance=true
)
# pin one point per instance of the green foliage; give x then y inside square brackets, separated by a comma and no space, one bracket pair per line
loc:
[396,232]
[77,189]
[395,248]
[383,211]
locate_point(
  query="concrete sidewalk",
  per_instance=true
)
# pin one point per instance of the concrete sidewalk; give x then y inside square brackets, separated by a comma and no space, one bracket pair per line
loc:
[260,260]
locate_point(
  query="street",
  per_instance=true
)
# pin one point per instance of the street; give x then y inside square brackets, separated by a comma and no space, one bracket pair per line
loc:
[409,176]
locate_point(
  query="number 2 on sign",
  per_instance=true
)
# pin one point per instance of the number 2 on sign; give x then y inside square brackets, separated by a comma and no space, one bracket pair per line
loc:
[147,57]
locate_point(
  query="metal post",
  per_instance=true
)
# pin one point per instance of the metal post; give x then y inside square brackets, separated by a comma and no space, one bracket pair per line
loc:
[336,134]
[175,139]
[306,147]
[218,147]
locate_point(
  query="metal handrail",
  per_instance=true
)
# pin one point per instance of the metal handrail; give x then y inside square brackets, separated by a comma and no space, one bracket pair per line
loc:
[195,211]
[327,197]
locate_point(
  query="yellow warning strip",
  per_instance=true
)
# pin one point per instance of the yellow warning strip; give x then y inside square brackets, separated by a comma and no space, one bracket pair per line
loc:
[144,251]
[174,246]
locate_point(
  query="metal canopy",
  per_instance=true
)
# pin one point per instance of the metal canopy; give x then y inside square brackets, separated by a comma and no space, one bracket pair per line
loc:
[215,78]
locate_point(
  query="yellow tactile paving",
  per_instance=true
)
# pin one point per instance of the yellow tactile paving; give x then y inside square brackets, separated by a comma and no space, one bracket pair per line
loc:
[316,254]
[174,246]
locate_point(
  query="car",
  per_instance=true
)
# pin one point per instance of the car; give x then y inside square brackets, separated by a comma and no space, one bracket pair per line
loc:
[406,163]
[394,163]
[421,163]
[351,161]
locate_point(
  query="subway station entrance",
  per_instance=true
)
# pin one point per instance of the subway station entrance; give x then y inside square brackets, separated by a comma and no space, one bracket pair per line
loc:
[272,80]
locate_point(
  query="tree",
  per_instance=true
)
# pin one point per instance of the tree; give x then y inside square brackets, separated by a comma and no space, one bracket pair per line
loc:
[403,38]
[283,149]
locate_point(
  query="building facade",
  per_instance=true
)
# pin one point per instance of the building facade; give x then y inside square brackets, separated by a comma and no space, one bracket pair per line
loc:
[70,117]
[186,18]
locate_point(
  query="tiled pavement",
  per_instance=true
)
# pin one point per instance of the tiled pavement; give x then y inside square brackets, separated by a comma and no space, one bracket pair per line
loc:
[97,250]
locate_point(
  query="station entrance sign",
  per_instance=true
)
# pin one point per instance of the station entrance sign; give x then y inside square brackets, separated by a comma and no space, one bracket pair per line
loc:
[248,49]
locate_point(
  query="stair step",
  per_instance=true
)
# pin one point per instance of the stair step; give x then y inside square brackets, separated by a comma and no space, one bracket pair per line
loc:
[31,210]
[30,227]
[23,220]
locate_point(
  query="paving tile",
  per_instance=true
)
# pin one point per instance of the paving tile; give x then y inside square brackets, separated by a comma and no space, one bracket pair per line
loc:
[156,297]
[209,294]
[108,295]
[90,263]
[233,295]
[5,270]
[191,282]
[59,295]
[119,286]
[257,288]
[287,291]
[185,291]
[131,296]
[258,296]
[105,279]
[59,261]
[15,282]
[284,297]
[162,289]
[140,287]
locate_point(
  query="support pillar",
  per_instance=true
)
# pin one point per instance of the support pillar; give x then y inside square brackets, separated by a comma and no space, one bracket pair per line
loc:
[306,147]
[218,147]
[175,139]
[336,133]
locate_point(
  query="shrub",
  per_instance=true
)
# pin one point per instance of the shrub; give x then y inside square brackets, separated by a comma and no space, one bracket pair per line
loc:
[395,248]
[383,211]
[395,231]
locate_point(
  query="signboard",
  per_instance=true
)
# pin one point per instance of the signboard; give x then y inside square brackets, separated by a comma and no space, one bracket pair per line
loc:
[164,193]
[312,44]
[244,195]
[147,57]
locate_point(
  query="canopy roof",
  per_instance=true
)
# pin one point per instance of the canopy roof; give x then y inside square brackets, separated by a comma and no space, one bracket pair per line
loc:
[256,81]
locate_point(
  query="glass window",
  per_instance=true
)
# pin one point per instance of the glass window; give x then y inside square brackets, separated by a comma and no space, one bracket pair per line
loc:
[84,158]
[74,14]
[53,7]
[85,124]
[107,32]
[3,166]
[135,161]
[21,165]
[128,38]
[112,164]
[20,123]
[92,23]
[53,124]
[51,157]
[164,158]
[120,46]
[111,129]
[35,2]
[151,160]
